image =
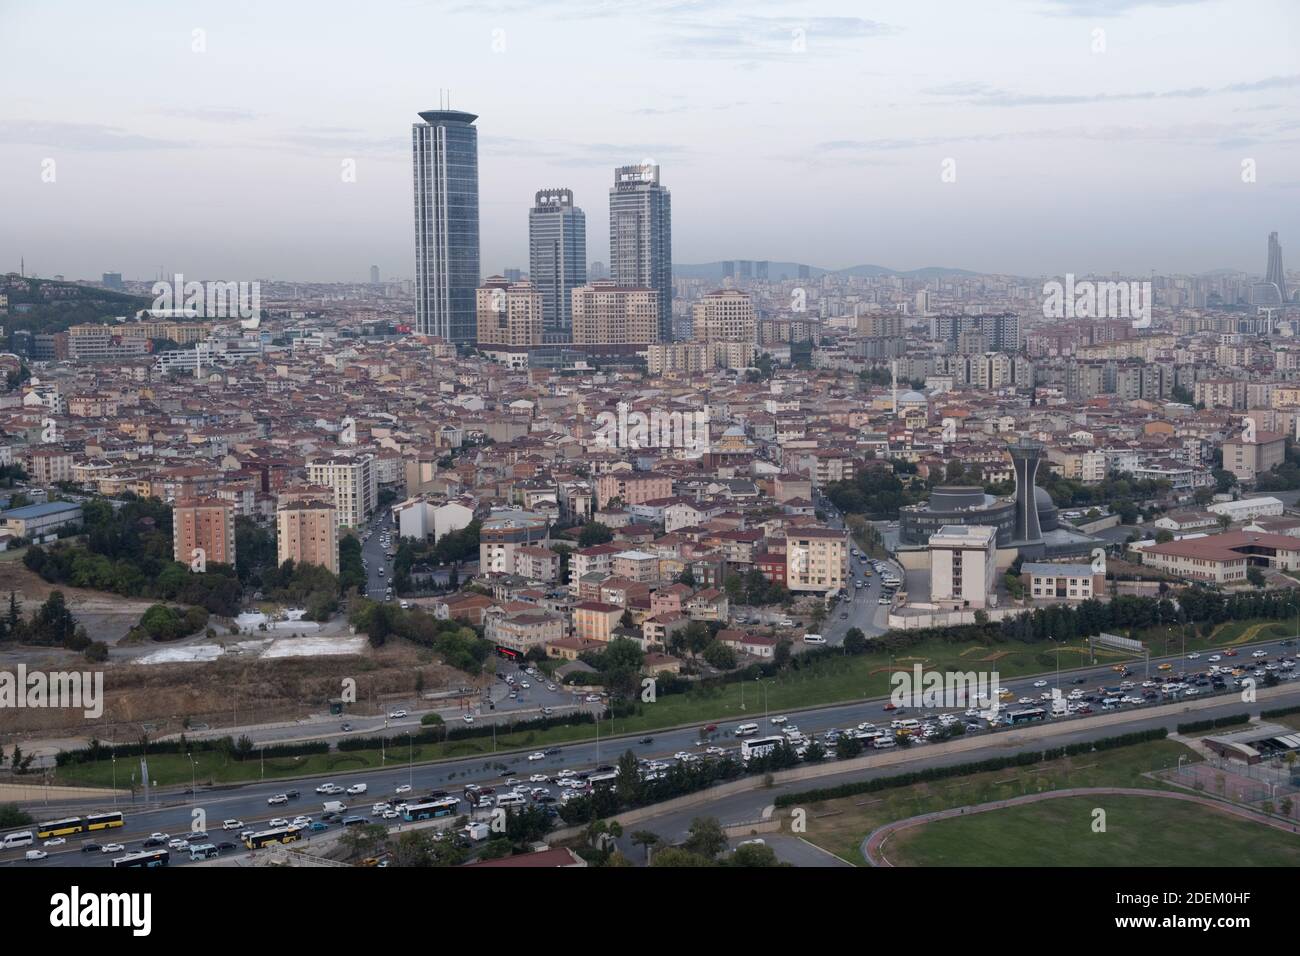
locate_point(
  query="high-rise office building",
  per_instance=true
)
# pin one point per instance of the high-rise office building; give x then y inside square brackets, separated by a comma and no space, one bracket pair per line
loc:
[606,313]
[640,237]
[509,313]
[444,152]
[1273,274]
[374,275]
[557,258]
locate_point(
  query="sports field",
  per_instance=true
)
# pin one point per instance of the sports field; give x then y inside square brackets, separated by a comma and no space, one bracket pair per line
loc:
[1139,831]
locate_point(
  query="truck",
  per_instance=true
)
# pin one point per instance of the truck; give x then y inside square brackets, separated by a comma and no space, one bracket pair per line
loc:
[1060,707]
[477,831]
[335,806]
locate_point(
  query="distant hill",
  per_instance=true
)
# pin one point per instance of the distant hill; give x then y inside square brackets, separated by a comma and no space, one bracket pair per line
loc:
[790,270]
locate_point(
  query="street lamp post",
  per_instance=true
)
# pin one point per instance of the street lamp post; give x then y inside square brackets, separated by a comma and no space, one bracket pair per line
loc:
[193,777]
[410,763]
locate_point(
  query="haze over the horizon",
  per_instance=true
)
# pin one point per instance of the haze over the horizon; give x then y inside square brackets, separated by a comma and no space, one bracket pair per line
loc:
[227,162]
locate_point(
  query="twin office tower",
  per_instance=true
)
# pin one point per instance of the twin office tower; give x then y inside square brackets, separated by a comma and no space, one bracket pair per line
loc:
[444,153]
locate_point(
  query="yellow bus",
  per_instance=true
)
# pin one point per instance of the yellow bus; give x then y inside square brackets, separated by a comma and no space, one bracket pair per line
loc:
[71,825]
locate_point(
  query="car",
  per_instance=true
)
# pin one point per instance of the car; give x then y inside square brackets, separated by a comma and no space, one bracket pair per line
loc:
[592,698]
[277,822]
[33,856]
[390,814]
[226,847]
[468,719]
[356,788]
[278,799]
[1214,658]
[57,841]
[538,778]
[757,841]
[345,727]
[1195,656]
[403,788]
[397,715]
[317,827]
[90,847]
[112,848]
[1040,683]
[1025,700]
[778,719]
[301,821]
[1165,667]
[179,843]
[325,788]
[525,685]
[550,687]
[891,706]
[1079,680]
[551,751]
[1259,654]
[537,756]
[647,740]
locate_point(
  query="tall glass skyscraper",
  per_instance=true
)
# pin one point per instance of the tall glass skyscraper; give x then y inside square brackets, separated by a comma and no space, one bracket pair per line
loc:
[557,259]
[1273,273]
[444,153]
[641,237]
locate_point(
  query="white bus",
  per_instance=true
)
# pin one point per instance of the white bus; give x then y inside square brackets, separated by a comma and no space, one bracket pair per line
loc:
[814,639]
[746,730]
[759,747]
[510,800]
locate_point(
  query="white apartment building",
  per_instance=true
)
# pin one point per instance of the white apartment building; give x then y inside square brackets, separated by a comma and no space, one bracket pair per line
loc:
[353,481]
[963,565]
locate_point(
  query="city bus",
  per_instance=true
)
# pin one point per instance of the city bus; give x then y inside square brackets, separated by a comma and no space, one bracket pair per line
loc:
[1026,716]
[432,808]
[71,825]
[148,858]
[255,841]
[759,746]
[603,779]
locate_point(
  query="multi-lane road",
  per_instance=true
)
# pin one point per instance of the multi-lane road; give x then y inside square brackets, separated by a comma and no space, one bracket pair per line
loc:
[248,802]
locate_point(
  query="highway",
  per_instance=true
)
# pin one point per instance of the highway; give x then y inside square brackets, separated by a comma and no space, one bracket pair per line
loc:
[673,827]
[247,802]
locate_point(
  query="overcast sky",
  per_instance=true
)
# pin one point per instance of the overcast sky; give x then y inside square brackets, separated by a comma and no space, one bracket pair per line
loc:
[807,131]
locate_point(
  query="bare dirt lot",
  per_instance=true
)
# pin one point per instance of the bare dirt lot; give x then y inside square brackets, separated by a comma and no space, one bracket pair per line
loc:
[166,699]
[106,617]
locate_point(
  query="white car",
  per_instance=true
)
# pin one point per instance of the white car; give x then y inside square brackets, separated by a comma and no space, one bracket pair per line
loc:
[33,855]
[302,821]
[715,751]
[468,719]
[778,719]
[231,824]
[112,848]
[356,788]
[1214,658]
[278,822]
[1258,654]
[379,808]
[160,836]
[57,841]
[397,715]
[277,799]
[593,698]
[178,844]
[538,778]
[1026,700]
[681,755]
[325,788]
[403,788]
[537,756]
[1194,656]
[390,814]
[1040,683]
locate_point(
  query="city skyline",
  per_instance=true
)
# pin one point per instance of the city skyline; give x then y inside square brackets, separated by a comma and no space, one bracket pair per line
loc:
[1113,164]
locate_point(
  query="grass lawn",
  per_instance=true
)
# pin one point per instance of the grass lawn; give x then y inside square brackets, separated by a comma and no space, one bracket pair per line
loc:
[841,825]
[1139,832]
